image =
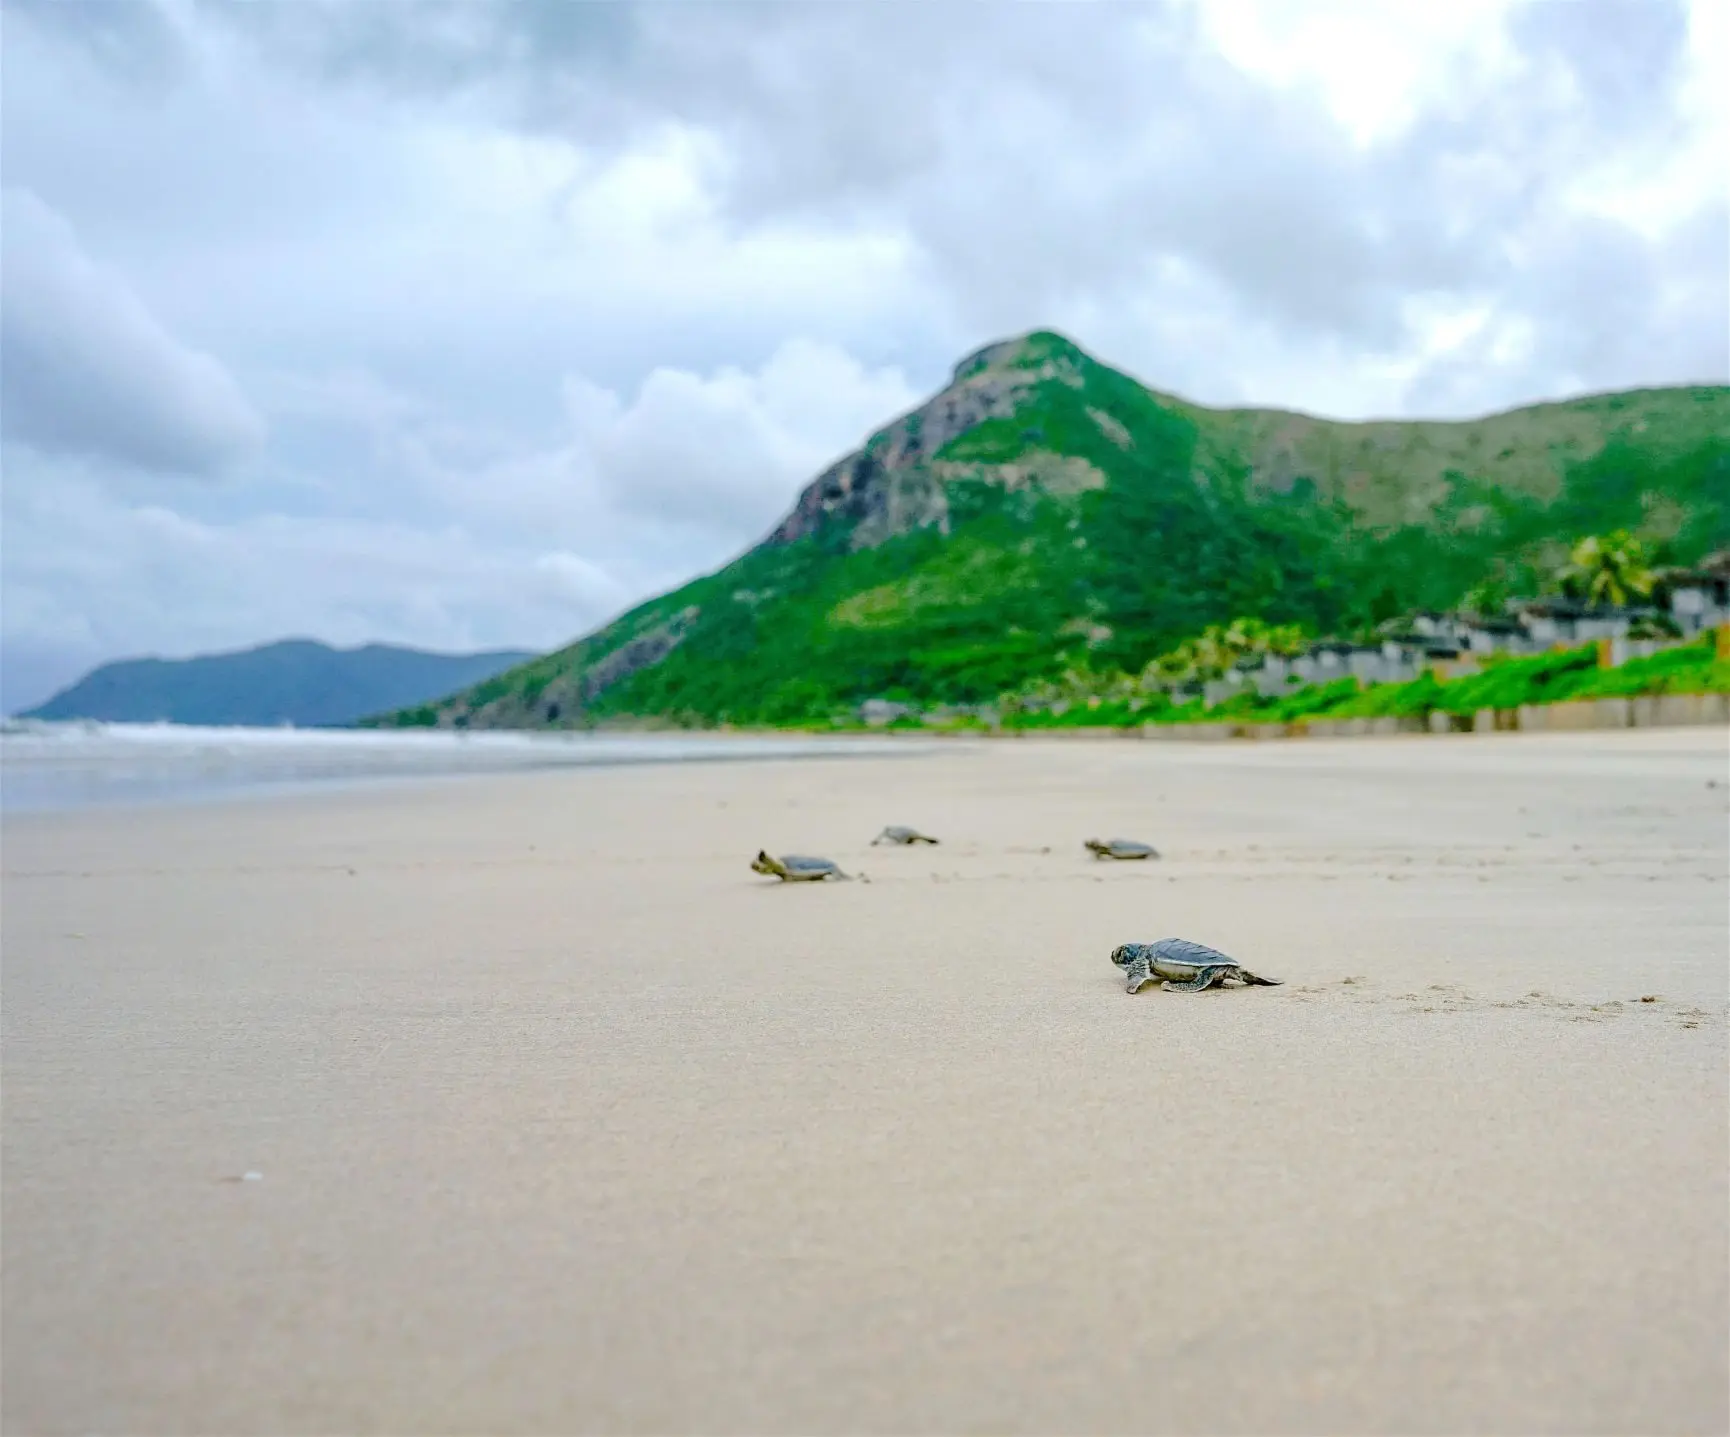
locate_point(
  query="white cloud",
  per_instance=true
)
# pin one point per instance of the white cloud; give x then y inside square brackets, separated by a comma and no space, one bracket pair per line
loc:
[91,574]
[453,540]
[730,451]
[86,368]
[1373,66]
[1661,185]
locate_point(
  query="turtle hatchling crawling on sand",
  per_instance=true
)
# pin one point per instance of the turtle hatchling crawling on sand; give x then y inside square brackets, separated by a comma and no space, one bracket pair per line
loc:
[795,868]
[896,834]
[1184,967]
[1121,848]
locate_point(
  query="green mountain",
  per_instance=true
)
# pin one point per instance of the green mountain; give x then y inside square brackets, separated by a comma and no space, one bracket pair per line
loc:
[1045,510]
[297,681]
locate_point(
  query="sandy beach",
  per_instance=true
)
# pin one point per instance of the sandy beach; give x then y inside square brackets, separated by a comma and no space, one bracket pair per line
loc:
[565,1121]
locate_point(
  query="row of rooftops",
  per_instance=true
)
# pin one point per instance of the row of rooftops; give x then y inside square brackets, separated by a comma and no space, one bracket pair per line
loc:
[1690,598]
[1687,601]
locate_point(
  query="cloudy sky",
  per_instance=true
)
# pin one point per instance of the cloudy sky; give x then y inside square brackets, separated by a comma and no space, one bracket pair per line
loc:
[466,323]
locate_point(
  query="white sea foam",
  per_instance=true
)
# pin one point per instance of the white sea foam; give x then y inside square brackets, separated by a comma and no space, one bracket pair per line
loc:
[76,765]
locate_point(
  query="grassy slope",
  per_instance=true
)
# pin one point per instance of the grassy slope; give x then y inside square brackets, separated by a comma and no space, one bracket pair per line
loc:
[1103,522]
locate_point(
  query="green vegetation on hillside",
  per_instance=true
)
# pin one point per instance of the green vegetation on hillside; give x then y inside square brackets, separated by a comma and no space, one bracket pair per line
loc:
[1098,524]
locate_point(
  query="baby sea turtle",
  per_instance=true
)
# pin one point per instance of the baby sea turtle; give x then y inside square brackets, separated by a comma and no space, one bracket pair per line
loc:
[796,868]
[1184,966]
[896,834]
[1121,848]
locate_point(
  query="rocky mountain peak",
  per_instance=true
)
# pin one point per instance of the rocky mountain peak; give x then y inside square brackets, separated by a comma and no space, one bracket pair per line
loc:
[890,487]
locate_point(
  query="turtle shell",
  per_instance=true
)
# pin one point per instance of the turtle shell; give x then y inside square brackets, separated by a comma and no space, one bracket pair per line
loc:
[1123,848]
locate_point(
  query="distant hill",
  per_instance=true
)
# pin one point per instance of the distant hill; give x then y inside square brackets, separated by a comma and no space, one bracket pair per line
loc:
[296,681]
[1045,511]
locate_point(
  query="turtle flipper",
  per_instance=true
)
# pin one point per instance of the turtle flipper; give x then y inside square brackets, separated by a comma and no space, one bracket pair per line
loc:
[1139,973]
[1204,979]
[1251,980]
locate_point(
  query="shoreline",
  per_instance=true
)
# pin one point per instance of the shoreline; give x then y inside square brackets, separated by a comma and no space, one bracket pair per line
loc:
[88,787]
[73,768]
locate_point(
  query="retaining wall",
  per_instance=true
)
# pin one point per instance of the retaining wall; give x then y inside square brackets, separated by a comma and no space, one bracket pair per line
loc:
[1654,711]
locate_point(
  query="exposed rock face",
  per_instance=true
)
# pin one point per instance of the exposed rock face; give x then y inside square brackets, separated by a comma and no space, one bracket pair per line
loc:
[565,701]
[639,653]
[890,486]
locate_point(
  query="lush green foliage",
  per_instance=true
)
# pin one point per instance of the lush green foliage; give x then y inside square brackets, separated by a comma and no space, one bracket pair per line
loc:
[1220,647]
[1192,519]
[1608,569]
[1503,683]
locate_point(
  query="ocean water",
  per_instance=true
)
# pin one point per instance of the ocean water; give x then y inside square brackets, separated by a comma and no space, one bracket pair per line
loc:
[50,766]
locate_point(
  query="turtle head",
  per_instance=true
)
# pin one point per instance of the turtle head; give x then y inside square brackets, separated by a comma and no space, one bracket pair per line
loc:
[1137,964]
[762,863]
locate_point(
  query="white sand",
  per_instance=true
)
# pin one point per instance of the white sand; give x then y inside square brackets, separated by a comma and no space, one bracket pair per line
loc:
[568,1122]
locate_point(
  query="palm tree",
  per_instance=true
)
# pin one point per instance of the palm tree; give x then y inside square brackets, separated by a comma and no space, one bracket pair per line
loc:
[1607,569]
[1252,638]
[1487,598]
[1219,647]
